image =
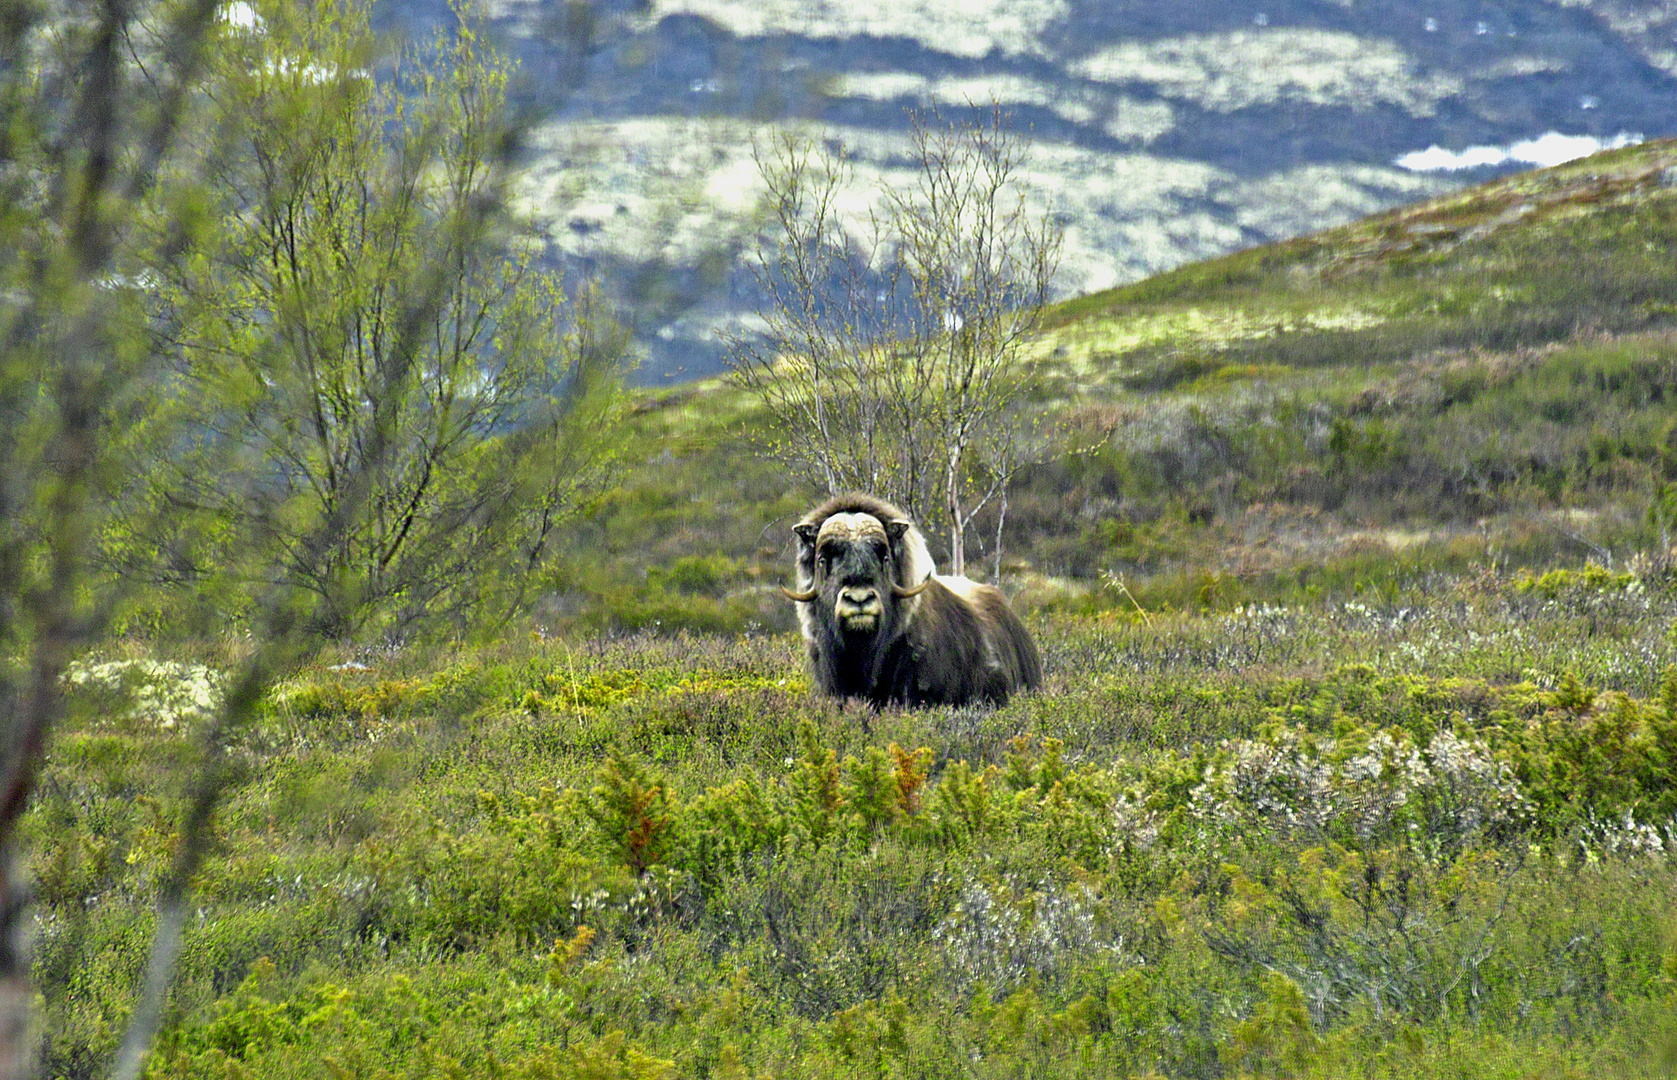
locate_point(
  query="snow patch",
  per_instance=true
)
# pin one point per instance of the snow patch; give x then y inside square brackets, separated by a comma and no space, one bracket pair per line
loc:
[1227,72]
[1124,118]
[1550,148]
[968,28]
[242,16]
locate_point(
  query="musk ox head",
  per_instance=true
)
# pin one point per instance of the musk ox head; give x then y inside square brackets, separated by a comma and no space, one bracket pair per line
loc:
[861,566]
[879,625]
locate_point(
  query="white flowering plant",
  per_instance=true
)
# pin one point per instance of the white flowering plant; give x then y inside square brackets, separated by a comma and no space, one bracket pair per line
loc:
[165,695]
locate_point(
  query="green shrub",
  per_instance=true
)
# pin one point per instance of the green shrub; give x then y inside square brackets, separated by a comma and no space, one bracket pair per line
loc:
[1556,582]
[633,812]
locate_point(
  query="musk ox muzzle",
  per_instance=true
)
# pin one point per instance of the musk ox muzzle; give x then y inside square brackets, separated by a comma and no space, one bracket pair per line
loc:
[859,610]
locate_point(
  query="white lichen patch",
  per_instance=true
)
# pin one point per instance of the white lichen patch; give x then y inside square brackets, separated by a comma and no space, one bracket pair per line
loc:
[1316,197]
[970,28]
[160,692]
[1225,72]
[673,189]
[1123,118]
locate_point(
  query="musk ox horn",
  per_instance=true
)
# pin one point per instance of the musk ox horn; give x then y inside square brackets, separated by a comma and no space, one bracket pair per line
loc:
[800,597]
[902,593]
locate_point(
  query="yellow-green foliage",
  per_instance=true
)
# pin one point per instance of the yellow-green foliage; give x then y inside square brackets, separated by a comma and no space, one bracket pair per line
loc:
[633,811]
[1378,834]
[1562,580]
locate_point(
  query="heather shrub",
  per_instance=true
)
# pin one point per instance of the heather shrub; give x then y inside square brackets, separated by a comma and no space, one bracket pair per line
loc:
[1375,835]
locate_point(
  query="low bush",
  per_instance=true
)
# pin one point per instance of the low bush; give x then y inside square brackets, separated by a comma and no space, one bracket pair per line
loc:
[1384,833]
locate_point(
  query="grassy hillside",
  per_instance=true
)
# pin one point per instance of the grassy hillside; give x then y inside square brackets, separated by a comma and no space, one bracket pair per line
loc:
[1357,754]
[1482,379]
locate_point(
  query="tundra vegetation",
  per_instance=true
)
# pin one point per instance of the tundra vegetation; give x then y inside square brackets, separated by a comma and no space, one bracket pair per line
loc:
[1356,751]
[1420,832]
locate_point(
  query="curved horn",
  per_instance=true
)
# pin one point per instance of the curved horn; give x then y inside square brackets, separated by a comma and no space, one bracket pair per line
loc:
[799,597]
[902,593]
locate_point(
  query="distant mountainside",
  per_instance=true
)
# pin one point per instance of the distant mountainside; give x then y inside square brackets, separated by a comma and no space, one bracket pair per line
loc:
[1164,132]
[1482,379]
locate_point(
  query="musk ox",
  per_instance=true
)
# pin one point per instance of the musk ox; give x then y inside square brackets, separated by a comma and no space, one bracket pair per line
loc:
[880,624]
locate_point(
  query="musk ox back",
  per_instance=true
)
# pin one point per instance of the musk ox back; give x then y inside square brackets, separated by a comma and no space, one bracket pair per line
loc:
[880,624]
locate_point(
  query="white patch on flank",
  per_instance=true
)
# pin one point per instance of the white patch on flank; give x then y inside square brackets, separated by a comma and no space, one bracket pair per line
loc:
[1550,148]
[917,560]
[917,566]
[964,587]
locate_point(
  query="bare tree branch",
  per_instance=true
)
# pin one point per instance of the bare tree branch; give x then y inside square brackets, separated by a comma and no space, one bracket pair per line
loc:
[894,362]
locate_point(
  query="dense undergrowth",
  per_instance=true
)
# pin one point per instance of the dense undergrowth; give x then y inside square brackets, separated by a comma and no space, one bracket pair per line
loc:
[1425,832]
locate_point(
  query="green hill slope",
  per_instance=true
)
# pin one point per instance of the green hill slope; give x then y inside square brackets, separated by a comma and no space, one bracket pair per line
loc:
[1523,260]
[1481,378]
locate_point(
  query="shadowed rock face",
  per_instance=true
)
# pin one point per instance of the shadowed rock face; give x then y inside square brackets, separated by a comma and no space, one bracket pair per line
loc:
[1163,133]
[879,625]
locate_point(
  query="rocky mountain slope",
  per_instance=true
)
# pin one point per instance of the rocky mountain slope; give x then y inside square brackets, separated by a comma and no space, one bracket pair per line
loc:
[1163,133]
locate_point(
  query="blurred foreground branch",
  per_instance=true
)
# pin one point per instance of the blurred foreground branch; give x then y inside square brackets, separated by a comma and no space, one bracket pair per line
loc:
[271,350]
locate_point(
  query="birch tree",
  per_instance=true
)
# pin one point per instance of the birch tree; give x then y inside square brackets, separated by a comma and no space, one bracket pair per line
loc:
[338,191]
[893,354]
[979,266]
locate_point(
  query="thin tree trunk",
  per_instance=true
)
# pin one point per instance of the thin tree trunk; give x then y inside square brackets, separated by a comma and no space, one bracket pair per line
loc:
[957,526]
[1001,519]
